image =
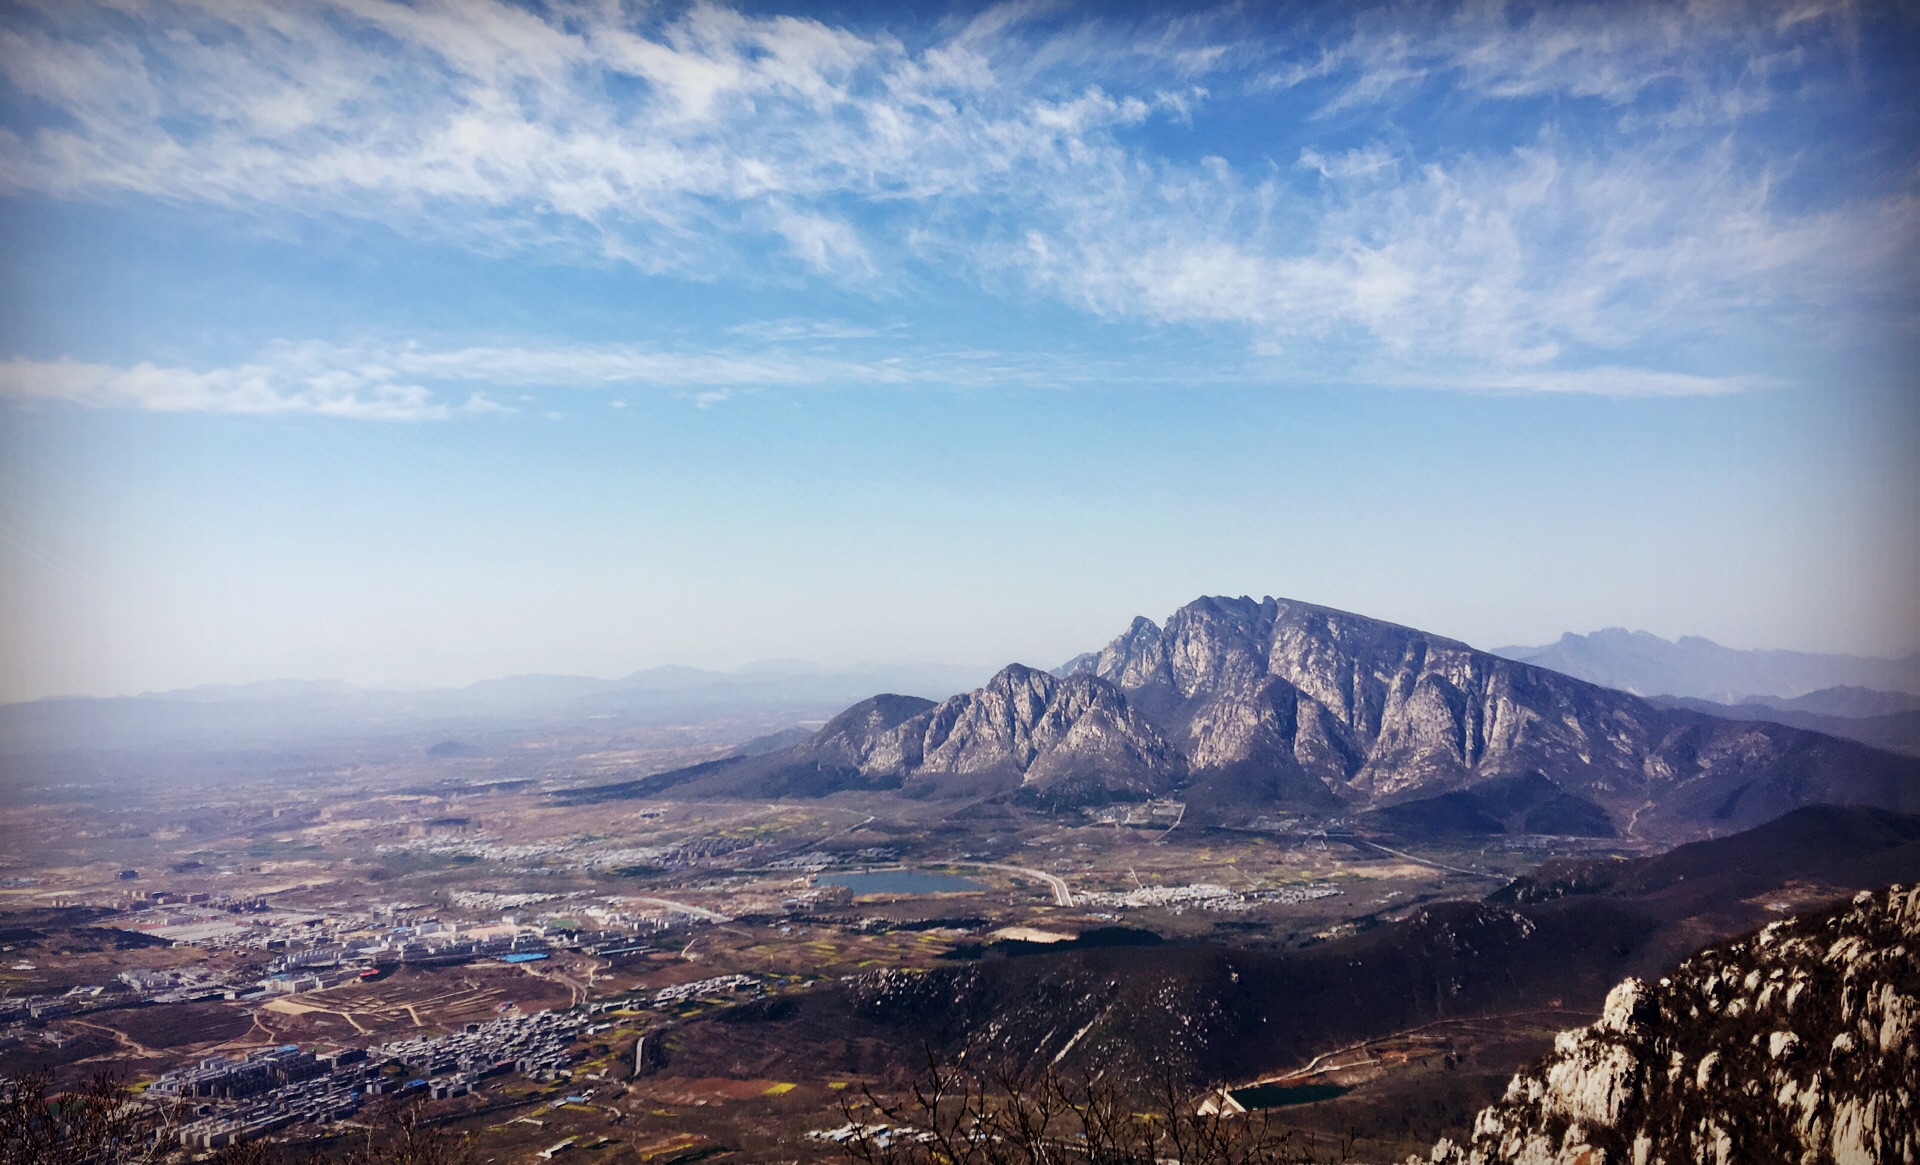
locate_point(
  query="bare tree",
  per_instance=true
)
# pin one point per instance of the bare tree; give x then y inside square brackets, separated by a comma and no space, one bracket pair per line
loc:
[249,1153]
[953,1116]
[101,1124]
[408,1137]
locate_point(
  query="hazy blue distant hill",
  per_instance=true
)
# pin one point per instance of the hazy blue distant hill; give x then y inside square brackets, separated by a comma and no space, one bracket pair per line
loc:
[1847,700]
[276,712]
[1893,731]
[1647,665]
[262,691]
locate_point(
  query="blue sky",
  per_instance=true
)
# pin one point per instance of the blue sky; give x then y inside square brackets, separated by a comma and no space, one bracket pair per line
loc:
[428,342]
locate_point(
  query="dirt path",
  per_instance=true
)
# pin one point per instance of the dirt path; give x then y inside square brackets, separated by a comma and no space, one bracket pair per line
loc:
[120,1037]
[1318,1063]
[1430,862]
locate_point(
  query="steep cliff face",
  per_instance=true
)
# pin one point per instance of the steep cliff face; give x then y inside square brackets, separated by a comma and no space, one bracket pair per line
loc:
[1243,707]
[1796,1044]
[1075,736]
[863,737]
[1332,704]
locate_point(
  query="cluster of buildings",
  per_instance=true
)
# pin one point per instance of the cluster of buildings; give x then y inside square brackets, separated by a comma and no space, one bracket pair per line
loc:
[261,1093]
[572,854]
[262,1071]
[20,1008]
[1201,896]
[878,1136]
[814,861]
[312,952]
[266,1091]
[706,989]
[493,901]
[428,942]
[218,922]
[1156,814]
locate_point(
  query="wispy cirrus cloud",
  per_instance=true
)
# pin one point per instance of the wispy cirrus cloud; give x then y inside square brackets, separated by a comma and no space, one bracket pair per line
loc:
[259,389]
[1017,149]
[1707,61]
[414,383]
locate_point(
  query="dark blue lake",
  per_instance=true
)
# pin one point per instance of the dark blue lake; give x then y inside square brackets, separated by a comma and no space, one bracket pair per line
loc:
[1282,1095]
[900,882]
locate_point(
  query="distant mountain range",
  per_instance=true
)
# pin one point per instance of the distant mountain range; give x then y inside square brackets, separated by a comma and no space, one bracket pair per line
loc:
[1896,731]
[275,711]
[1647,665]
[1245,707]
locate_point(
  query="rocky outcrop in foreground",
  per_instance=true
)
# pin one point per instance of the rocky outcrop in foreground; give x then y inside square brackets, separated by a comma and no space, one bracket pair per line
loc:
[1796,1044]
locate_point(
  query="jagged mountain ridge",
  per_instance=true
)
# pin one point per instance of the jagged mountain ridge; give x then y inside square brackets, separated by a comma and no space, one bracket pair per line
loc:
[1313,705]
[1051,733]
[1242,706]
[1794,1044]
[1025,732]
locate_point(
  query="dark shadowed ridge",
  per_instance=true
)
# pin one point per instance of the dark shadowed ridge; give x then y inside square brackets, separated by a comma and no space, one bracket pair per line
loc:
[1224,1014]
[1897,731]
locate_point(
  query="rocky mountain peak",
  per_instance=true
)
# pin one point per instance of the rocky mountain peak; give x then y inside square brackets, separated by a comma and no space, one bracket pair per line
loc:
[1068,736]
[1050,731]
[1244,705]
[1276,700]
[851,739]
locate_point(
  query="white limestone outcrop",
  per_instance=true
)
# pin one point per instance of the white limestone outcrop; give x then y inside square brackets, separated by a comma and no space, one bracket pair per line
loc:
[1795,1044]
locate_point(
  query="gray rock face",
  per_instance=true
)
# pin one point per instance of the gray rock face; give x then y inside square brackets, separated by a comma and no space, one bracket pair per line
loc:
[1797,1044]
[854,737]
[1337,706]
[1242,706]
[1076,735]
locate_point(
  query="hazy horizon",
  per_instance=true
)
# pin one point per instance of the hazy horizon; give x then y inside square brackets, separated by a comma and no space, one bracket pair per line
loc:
[771,666]
[429,344]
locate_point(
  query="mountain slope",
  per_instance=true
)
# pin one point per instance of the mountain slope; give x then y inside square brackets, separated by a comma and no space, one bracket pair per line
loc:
[1275,701]
[1893,731]
[1243,707]
[1025,732]
[1796,1044]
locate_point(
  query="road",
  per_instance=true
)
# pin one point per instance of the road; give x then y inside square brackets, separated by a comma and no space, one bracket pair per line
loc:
[1430,862]
[1062,896]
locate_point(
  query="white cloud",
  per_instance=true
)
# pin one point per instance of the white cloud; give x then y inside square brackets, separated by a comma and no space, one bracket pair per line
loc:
[1367,163]
[1706,60]
[414,383]
[411,383]
[1611,381]
[713,144]
[367,394]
